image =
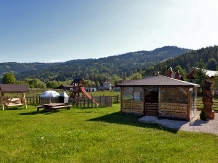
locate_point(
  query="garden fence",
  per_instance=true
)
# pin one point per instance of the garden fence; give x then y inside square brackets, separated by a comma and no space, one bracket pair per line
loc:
[103,101]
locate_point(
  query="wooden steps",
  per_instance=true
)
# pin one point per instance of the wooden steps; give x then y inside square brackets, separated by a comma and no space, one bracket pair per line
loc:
[151,109]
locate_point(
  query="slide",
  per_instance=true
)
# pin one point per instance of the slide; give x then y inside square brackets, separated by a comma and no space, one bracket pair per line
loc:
[87,95]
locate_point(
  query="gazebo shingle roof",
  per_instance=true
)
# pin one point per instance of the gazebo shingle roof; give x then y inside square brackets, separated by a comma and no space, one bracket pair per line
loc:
[14,88]
[157,81]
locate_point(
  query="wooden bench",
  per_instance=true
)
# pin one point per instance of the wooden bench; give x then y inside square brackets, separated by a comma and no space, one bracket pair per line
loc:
[54,108]
[39,107]
[12,102]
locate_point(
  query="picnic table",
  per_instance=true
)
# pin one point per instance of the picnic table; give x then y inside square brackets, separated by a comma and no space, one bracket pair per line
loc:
[53,106]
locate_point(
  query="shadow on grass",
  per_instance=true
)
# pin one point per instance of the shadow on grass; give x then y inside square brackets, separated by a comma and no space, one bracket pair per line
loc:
[132,120]
[37,112]
[13,108]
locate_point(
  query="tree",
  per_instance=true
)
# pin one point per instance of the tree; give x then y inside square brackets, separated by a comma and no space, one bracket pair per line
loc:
[8,78]
[115,79]
[89,83]
[52,84]
[35,83]
[163,68]
[200,74]
[135,76]
[181,71]
[97,84]
[215,86]
[124,76]
[212,63]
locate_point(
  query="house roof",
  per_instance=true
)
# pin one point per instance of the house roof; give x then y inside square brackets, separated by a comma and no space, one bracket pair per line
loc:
[209,73]
[157,81]
[64,86]
[14,88]
[107,82]
[76,81]
[60,87]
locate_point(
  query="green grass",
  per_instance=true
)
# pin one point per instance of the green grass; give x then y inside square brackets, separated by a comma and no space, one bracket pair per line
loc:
[96,135]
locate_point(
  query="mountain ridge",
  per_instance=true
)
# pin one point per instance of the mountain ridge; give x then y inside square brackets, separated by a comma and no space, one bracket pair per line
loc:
[119,65]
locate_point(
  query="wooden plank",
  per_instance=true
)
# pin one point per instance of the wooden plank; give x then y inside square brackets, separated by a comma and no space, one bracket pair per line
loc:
[39,107]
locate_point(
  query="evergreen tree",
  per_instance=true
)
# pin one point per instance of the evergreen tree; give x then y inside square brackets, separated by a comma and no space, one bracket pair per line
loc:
[200,74]
[181,71]
[163,68]
[212,64]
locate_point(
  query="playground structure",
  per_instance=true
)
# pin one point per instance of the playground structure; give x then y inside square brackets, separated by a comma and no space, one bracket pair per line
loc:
[79,91]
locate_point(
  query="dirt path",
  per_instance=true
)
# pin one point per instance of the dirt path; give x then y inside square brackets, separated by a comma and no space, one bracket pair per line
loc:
[197,125]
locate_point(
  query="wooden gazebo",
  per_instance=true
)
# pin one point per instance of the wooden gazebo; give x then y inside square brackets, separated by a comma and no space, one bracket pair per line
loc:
[159,96]
[13,88]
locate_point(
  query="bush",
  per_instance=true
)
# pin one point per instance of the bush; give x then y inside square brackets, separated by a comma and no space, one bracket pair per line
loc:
[203,115]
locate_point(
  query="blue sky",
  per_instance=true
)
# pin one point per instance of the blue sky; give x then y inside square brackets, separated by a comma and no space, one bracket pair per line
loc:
[61,30]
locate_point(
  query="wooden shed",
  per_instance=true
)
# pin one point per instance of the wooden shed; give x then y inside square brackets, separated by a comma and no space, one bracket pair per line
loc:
[159,96]
[13,88]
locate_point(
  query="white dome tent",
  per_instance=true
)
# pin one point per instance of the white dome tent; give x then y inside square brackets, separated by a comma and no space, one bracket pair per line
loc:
[50,94]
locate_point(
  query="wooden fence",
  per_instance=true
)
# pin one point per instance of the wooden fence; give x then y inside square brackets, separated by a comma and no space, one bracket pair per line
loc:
[35,99]
[103,101]
[84,102]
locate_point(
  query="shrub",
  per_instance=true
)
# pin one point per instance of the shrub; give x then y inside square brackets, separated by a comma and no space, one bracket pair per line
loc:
[203,115]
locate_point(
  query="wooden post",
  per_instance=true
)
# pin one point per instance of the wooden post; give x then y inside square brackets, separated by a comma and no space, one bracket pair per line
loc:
[121,99]
[158,105]
[188,106]
[100,101]
[92,102]
[24,100]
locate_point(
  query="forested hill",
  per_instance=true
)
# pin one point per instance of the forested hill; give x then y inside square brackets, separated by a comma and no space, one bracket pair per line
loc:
[103,68]
[14,67]
[188,60]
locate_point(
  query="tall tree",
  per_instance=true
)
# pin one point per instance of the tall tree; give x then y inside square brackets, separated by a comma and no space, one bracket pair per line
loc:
[135,76]
[212,64]
[181,71]
[52,84]
[35,83]
[163,68]
[200,74]
[9,78]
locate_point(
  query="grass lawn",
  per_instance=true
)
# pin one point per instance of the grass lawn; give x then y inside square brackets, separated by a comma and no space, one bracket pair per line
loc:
[96,135]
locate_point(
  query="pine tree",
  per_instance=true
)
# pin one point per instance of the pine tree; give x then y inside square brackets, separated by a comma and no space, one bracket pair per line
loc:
[200,74]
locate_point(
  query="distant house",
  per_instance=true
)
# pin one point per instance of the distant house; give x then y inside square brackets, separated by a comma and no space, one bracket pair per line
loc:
[65,87]
[105,86]
[191,75]
[90,89]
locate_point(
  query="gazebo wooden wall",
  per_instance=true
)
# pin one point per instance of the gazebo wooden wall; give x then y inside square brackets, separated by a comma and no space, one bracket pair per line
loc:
[172,102]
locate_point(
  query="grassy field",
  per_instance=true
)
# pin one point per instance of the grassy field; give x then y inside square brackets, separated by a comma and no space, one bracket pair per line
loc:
[96,135]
